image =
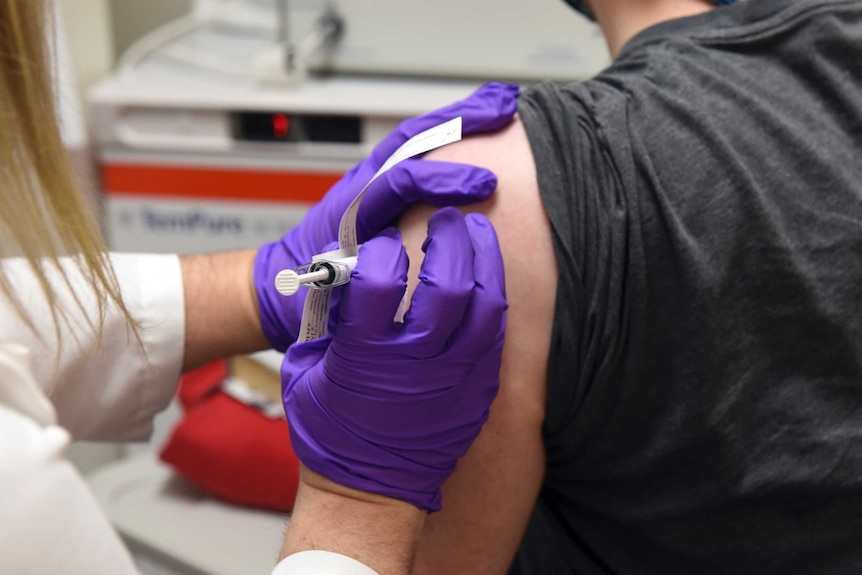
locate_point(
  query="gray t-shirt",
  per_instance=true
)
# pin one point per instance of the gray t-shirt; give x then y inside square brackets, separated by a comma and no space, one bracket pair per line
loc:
[705,383]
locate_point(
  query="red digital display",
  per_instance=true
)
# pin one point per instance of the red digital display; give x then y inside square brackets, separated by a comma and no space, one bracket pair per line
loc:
[289,127]
[280,125]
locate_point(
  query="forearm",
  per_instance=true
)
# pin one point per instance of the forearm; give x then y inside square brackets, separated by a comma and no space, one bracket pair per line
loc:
[378,531]
[221,316]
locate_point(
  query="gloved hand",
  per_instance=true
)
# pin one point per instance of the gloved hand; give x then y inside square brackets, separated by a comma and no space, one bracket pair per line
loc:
[439,183]
[389,408]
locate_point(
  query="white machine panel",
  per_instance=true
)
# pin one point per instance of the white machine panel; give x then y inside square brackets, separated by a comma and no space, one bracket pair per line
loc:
[531,40]
[159,224]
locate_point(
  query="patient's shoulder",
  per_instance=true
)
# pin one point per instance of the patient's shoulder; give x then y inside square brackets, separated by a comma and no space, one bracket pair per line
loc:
[519,217]
[489,499]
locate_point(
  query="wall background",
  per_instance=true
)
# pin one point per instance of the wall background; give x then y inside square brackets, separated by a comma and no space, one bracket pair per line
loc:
[131,19]
[98,31]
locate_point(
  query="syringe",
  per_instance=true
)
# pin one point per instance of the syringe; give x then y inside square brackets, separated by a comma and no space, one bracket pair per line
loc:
[321,274]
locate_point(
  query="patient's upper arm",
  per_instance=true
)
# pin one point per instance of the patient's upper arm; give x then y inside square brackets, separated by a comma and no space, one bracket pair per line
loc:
[488,500]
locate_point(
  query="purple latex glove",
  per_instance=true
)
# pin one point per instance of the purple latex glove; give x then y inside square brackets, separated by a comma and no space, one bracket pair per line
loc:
[439,183]
[389,408]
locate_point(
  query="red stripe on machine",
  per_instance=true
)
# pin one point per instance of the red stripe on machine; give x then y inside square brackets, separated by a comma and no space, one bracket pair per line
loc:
[215,183]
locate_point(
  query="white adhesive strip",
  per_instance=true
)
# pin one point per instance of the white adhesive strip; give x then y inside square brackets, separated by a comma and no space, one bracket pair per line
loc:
[315,314]
[421,143]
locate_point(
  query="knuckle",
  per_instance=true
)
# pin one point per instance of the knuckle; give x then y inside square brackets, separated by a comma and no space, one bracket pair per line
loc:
[399,177]
[498,310]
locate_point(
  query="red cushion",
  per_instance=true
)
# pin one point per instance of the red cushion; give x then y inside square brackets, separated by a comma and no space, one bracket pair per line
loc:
[231,449]
[197,384]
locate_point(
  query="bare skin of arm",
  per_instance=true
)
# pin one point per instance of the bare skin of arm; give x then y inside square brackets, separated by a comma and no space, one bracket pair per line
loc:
[215,330]
[487,502]
[378,531]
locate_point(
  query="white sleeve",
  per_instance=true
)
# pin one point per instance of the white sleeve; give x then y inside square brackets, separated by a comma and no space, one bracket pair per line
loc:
[321,563]
[49,521]
[110,392]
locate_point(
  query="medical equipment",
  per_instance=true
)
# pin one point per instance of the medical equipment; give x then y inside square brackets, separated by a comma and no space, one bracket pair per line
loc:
[196,151]
[515,40]
[196,163]
[322,274]
[525,40]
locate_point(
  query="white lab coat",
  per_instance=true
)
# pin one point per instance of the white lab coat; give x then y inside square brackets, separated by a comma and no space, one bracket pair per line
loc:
[50,523]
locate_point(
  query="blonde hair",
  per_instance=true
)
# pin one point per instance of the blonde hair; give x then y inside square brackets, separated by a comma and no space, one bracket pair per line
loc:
[43,214]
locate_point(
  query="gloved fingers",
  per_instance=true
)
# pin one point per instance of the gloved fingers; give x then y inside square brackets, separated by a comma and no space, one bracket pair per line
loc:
[488,109]
[485,319]
[411,181]
[301,357]
[445,282]
[371,299]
